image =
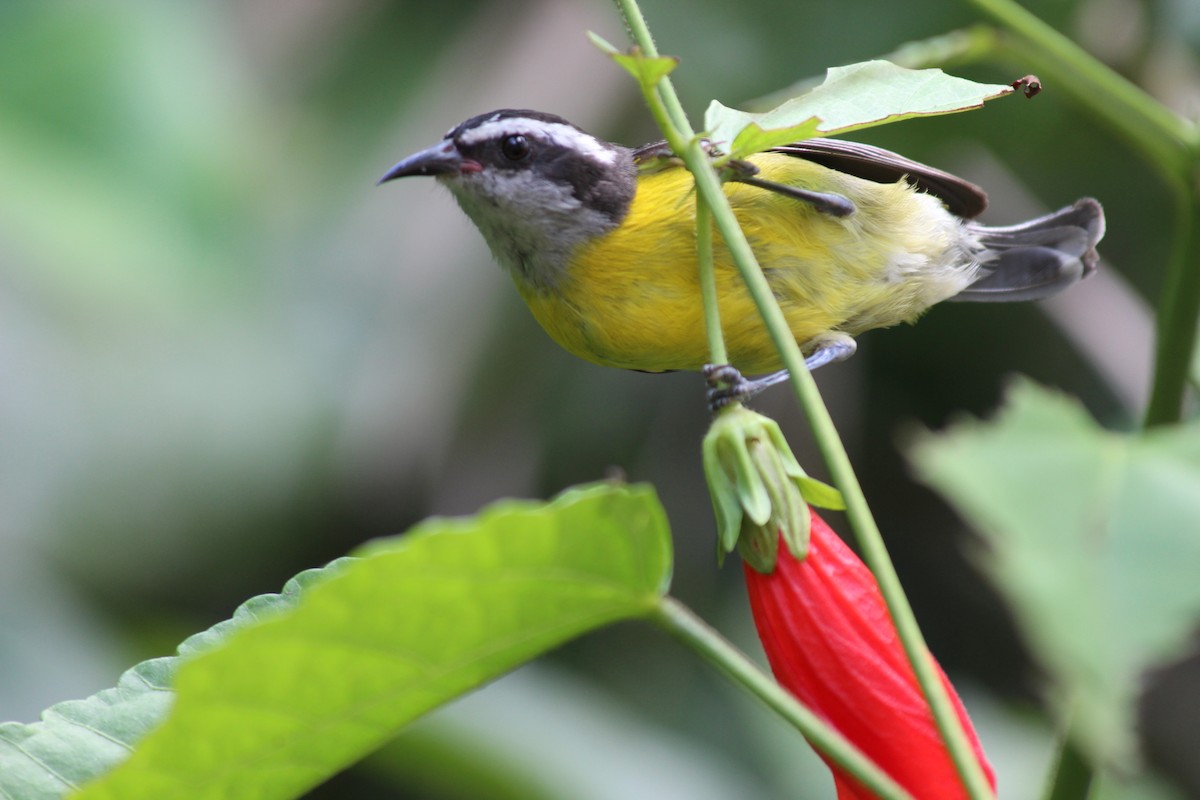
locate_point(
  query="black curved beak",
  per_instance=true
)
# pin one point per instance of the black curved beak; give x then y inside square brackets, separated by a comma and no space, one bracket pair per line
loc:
[441,159]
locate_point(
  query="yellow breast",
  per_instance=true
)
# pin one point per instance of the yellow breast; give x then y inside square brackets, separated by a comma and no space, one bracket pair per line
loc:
[631,298]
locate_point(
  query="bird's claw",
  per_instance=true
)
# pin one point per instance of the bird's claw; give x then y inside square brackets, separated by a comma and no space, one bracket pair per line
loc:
[726,385]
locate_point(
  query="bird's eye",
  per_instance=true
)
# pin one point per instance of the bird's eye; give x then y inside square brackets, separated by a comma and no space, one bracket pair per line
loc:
[515,147]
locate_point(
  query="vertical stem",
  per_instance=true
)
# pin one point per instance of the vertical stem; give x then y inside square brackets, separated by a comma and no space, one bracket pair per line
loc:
[708,283]
[640,33]
[867,532]
[669,113]
[1178,318]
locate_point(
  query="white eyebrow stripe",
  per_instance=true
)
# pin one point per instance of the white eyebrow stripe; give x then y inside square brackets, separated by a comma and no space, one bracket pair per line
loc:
[555,132]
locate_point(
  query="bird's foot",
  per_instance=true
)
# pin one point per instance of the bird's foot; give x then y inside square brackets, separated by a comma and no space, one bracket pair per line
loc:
[726,385]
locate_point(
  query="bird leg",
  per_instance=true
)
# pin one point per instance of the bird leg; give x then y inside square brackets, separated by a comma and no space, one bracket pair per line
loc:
[727,385]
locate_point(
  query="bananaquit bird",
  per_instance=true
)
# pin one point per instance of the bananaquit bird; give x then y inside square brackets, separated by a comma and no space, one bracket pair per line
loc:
[600,241]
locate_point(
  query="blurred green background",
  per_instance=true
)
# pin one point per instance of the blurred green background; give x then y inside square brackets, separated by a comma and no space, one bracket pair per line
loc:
[226,357]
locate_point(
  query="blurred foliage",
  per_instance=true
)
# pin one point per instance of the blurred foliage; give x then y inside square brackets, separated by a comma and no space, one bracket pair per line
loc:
[1091,539]
[225,357]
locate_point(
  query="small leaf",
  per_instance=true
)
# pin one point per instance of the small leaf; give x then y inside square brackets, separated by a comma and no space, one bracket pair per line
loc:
[852,97]
[605,46]
[298,686]
[752,137]
[727,505]
[797,531]
[787,506]
[1093,541]
[752,491]
[646,71]
[820,494]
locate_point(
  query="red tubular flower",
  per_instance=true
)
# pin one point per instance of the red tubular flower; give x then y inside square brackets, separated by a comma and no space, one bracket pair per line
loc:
[831,643]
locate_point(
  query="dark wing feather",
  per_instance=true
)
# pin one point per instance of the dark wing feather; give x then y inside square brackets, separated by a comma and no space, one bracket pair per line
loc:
[962,198]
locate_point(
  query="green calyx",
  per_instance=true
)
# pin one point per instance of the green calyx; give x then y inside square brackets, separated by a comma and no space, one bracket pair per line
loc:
[759,491]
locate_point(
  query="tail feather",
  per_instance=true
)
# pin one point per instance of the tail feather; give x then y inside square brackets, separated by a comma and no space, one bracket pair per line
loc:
[1037,258]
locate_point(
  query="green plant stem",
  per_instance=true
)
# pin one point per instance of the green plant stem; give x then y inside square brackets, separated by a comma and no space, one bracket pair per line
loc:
[708,282]
[857,510]
[1072,776]
[678,620]
[838,461]
[672,120]
[635,21]
[1178,317]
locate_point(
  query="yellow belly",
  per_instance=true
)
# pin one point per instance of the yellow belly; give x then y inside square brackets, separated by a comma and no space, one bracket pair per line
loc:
[631,298]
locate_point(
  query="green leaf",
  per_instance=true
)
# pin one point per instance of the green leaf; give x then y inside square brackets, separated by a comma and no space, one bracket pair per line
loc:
[853,97]
[299,685]
[1094,540]
[820,494]
[723,491]
[752,489]
[646,71]
[815,493]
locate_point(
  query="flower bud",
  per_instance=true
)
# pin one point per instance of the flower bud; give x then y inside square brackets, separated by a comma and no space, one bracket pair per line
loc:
[760,493]
[831,642]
